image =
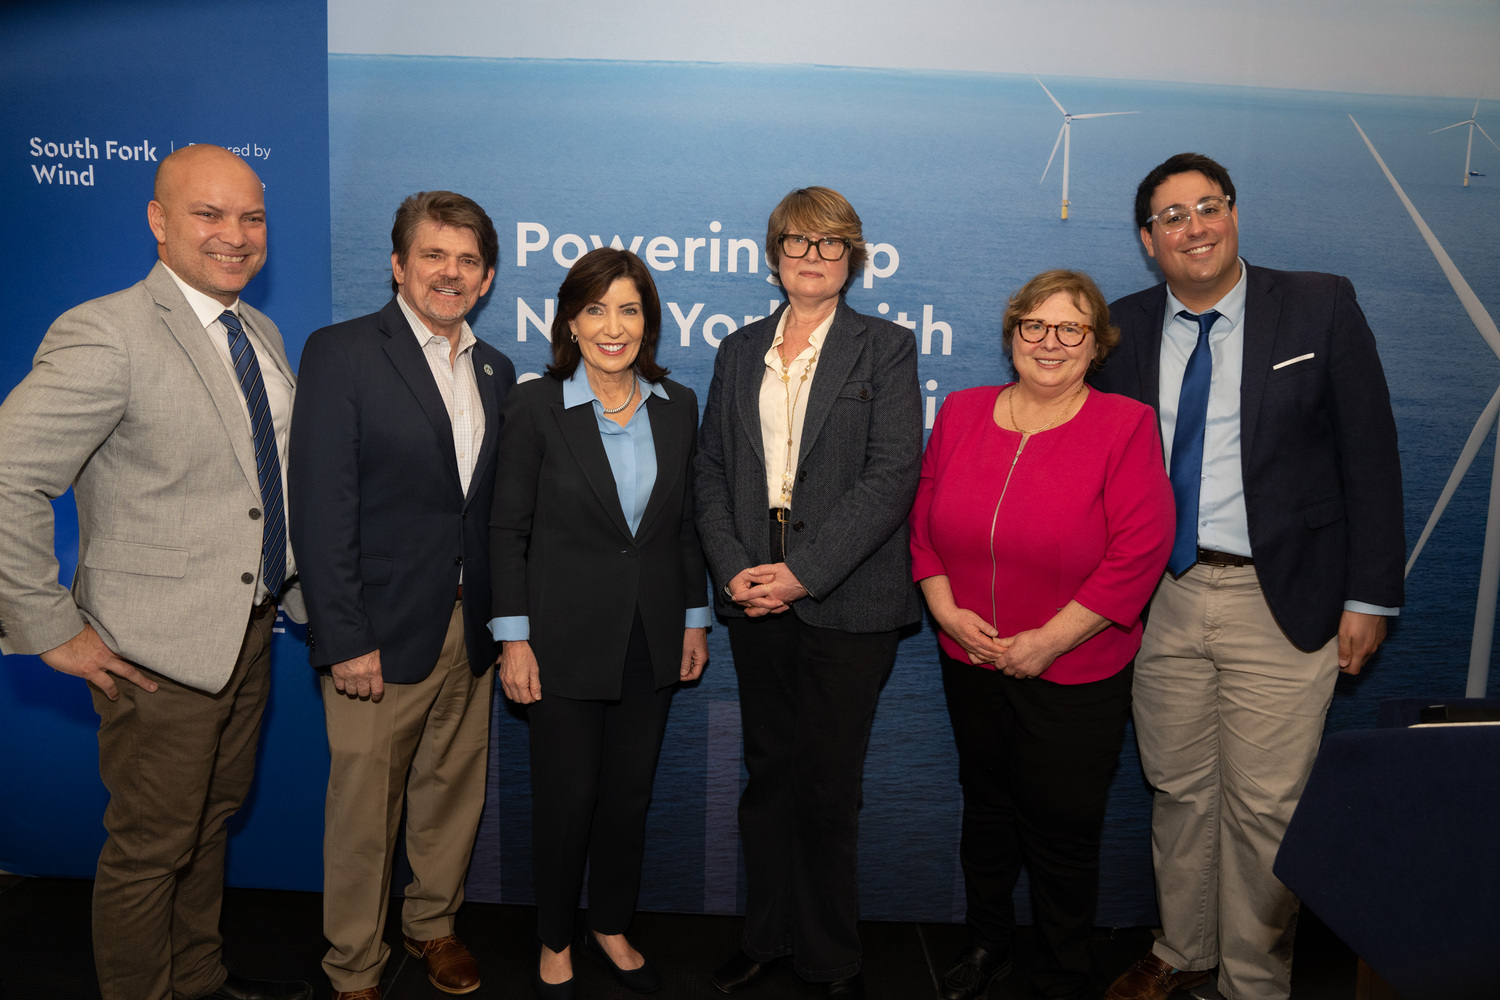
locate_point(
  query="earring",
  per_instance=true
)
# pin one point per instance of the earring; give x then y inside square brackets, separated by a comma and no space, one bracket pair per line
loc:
[575,338]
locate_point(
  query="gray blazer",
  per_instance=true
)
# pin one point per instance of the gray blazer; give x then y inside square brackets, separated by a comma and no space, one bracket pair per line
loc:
[857,471]
[129,403]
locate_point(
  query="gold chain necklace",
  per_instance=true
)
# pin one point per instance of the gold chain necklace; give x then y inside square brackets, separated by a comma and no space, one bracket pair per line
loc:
[791,410]
[1010,398]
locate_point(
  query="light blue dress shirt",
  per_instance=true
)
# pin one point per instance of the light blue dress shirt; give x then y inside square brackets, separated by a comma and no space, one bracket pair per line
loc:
[1222,522]
[632,458]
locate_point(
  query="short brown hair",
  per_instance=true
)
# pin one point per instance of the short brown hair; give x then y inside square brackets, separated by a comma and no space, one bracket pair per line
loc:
[1086,298]
[446,209]
[588,280]
[1182,163]
[817,210]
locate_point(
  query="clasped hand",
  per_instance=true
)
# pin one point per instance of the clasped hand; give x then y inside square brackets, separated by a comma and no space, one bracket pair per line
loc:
[767,589]
[1020,655]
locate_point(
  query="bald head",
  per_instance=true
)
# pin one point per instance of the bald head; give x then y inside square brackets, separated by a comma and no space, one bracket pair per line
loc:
[208,214]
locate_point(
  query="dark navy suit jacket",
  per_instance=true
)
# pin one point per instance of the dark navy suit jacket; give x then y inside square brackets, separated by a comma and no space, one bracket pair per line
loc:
[380,523]
[857,471]
[563,553]
[1317,443]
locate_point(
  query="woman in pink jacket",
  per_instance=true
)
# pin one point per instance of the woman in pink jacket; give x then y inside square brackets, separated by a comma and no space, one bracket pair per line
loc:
[1042,524]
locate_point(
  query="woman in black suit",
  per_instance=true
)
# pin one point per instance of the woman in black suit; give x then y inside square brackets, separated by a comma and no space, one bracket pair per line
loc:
[814,416]
[599,599]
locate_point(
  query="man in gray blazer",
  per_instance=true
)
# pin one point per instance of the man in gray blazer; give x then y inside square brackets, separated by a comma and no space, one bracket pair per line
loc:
[165,406]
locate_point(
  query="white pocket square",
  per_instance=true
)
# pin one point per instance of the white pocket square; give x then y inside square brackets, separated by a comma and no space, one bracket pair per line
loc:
[1291,361]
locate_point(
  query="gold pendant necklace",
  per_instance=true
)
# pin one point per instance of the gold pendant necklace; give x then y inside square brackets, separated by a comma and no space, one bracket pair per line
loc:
[791,410]
[1010,398]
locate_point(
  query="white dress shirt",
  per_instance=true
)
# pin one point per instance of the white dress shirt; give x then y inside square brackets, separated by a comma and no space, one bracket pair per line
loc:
[278,387]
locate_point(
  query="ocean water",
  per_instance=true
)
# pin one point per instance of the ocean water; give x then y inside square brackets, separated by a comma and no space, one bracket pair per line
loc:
[944,169]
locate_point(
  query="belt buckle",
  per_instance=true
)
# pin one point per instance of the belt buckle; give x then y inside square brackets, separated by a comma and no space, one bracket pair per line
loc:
[780,514]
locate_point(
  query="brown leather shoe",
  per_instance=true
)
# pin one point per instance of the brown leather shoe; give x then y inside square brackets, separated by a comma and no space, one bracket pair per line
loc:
[1152,979]
[450,967]
[368,993]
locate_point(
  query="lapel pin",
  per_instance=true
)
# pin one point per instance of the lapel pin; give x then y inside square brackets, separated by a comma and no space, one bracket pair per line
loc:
[488,370]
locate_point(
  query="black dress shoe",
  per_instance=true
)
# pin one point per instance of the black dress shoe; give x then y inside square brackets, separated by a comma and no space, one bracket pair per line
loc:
[973,971]
[848,988]
[235,988]
[739,973]
[642,980]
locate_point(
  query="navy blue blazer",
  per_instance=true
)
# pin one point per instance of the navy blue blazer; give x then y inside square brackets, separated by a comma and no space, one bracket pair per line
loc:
[1317,443]
[563,552]
[380,524]
[857,470]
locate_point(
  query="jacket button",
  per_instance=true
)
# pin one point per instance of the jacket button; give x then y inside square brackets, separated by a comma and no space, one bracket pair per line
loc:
[864,394]
[247,578]
[798,526]
[255,513]
[458,560]
[802,476]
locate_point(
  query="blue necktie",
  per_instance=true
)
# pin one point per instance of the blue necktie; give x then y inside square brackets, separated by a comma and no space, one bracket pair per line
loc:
[267,461]
[1187,444]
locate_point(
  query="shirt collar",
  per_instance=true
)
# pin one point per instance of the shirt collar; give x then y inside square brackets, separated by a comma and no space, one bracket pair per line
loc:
[207,308]
[577,391]
[466,338]
[816,338]
[1230,307]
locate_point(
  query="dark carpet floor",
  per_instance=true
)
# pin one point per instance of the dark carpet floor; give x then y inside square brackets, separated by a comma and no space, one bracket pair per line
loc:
[45,951]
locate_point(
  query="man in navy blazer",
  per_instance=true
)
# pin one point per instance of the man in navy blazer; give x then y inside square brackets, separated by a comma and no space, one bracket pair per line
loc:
[391,479]
[1277,428]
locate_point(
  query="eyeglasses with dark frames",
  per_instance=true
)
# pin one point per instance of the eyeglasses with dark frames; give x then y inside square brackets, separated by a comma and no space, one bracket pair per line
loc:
[795,245]
[1034,331]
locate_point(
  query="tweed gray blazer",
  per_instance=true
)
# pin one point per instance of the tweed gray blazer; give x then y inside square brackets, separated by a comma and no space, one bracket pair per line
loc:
[857,472]
[129,403]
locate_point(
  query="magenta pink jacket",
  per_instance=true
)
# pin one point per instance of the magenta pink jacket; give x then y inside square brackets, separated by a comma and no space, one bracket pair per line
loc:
[1088,516]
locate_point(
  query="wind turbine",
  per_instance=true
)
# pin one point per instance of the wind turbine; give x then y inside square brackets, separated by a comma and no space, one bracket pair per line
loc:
[1489,563]
[1472,126]
[1065,136]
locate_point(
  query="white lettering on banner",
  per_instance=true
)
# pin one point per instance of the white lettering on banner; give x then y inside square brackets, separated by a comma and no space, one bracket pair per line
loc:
[56,174]
[685,323]
[731,255]
[932,402]
[929,327]
[873,270]
[543,322]
[717,319]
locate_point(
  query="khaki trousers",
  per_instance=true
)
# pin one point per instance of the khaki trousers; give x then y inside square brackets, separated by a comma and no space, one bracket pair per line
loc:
[424,744]
[177,763]
[1228,714]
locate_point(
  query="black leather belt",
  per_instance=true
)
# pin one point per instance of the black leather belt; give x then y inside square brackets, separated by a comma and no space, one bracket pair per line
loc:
[1211,558]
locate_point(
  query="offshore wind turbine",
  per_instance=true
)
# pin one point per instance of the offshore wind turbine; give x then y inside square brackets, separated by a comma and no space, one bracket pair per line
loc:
[1489,563]
[1469,121]
[1065,137]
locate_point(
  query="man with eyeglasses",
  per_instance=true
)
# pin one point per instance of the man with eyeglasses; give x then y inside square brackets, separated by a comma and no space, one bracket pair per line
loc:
[1278,436]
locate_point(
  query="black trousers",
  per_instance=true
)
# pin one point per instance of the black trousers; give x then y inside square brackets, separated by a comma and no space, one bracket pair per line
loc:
[1035,761]
[592,767]
[807,698]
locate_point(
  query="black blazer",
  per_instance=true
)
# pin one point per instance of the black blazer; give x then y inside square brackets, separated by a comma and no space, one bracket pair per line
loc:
[857,471]
[379,522]
[562,552]
[1317,443]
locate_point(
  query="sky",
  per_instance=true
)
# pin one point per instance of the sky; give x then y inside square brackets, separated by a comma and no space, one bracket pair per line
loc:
[1407,47]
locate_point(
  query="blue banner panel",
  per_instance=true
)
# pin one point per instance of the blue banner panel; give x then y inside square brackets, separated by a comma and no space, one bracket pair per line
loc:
[682,162]
[96,94]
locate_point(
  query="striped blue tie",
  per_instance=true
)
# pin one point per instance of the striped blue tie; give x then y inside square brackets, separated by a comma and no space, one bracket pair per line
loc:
[1187,444]
[267,461]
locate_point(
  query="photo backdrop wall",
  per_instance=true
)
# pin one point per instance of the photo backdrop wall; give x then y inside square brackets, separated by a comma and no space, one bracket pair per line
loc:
[673,131]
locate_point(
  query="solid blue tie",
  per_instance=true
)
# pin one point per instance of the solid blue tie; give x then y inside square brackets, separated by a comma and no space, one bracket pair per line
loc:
[267,460]
[1187,444]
